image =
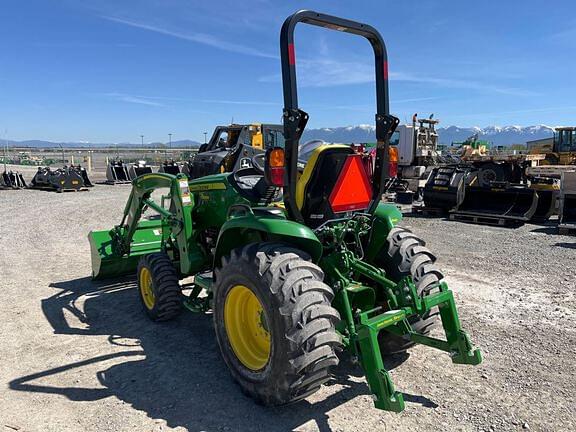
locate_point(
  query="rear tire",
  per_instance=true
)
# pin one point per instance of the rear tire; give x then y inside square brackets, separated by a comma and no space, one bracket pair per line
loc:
[298,318]
[158,286]
[404,254]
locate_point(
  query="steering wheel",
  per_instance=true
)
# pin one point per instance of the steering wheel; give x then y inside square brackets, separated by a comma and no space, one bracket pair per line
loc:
[258,162]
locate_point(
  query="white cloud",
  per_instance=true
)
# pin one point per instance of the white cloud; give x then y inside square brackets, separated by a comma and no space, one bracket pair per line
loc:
[237,102]
[135,99]
[201,38]
[329,72]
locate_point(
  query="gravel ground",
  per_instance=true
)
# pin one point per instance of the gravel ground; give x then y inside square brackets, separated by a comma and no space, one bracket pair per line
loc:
[79,356]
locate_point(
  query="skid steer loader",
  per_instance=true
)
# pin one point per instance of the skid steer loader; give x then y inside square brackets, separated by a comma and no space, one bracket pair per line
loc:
[291,282]
[232,147]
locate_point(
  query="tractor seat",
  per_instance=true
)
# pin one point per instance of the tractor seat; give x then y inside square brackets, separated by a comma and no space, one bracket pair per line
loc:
[333,182]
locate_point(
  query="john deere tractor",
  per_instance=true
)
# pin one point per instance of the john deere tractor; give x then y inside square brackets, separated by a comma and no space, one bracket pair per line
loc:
[297,259]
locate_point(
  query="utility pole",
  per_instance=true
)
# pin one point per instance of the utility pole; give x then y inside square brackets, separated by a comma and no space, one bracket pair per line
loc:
[142,140]
[170,143]
[62,148]
[5,148]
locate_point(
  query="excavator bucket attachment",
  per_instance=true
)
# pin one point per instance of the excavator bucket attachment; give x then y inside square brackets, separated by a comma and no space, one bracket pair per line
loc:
[444,189]
[117,172]
[60,179]
[105,263]
[502,205]
[13,180]
[138,169]
[169,167]
[84,174]
[567,212]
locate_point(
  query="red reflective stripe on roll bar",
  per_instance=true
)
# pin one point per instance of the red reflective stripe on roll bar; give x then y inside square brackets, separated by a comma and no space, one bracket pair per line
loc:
[385,70]
[291,54]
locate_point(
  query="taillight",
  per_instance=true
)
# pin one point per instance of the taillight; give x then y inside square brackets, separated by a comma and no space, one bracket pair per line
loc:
[393,161]
[275,166]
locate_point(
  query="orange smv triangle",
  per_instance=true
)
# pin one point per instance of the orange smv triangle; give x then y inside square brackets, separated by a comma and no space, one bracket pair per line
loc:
[352,190]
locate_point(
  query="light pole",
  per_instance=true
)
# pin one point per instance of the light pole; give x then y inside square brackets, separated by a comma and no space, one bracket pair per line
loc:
[170,143]
[62,148]
[205,133]
[142,140]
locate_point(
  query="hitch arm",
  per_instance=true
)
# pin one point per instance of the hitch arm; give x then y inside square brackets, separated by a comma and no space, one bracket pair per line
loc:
[457,342]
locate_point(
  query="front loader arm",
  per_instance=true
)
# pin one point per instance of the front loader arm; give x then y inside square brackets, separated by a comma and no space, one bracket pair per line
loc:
[142,188]
[176,221]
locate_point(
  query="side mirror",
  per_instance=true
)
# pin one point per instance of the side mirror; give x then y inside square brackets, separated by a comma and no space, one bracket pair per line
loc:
[275,166]
[202,148]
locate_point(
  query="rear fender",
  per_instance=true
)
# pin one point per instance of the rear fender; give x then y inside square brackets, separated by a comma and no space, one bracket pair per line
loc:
[385,218]
[240,231]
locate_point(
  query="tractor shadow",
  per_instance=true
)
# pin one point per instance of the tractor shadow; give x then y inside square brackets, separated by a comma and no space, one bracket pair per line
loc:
[171,371]
[565,245]
[546,229]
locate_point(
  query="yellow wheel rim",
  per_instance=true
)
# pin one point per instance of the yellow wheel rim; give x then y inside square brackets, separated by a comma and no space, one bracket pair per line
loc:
[247,328]
[146,288]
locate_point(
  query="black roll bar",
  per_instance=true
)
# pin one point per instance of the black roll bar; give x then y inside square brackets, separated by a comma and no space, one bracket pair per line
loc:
[295,119]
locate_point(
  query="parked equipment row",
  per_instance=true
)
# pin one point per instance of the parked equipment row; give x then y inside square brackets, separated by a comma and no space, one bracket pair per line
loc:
[67,178]
[484,194]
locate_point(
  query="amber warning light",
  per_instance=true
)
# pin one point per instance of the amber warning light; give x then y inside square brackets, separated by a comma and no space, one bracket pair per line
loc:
[275,166]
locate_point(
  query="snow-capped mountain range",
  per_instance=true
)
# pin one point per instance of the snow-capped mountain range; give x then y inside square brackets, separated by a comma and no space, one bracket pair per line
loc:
[498,135]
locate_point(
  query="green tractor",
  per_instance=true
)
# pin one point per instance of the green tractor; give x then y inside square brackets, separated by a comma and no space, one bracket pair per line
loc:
[297,260]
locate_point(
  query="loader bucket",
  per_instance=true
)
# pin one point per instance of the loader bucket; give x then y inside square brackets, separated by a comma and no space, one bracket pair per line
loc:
[497,205]
[84,174]
[117,172]
[568,201]
[568,217]
[105,264]
[547,205]
[169,167]
[444,189]
[136,170]
[66,179]
[12,180]
[60,179]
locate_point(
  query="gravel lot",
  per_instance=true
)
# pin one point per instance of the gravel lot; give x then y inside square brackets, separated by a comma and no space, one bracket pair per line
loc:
[79,356]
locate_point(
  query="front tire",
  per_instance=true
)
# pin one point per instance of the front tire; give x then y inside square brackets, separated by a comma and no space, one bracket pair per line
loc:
[274,322]
[158,286]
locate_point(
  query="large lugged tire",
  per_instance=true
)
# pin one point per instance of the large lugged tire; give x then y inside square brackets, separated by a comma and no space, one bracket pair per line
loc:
[404,254]
[158,287]
[274,322]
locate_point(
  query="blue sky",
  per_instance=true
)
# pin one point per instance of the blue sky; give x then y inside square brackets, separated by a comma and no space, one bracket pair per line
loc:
[109,70]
